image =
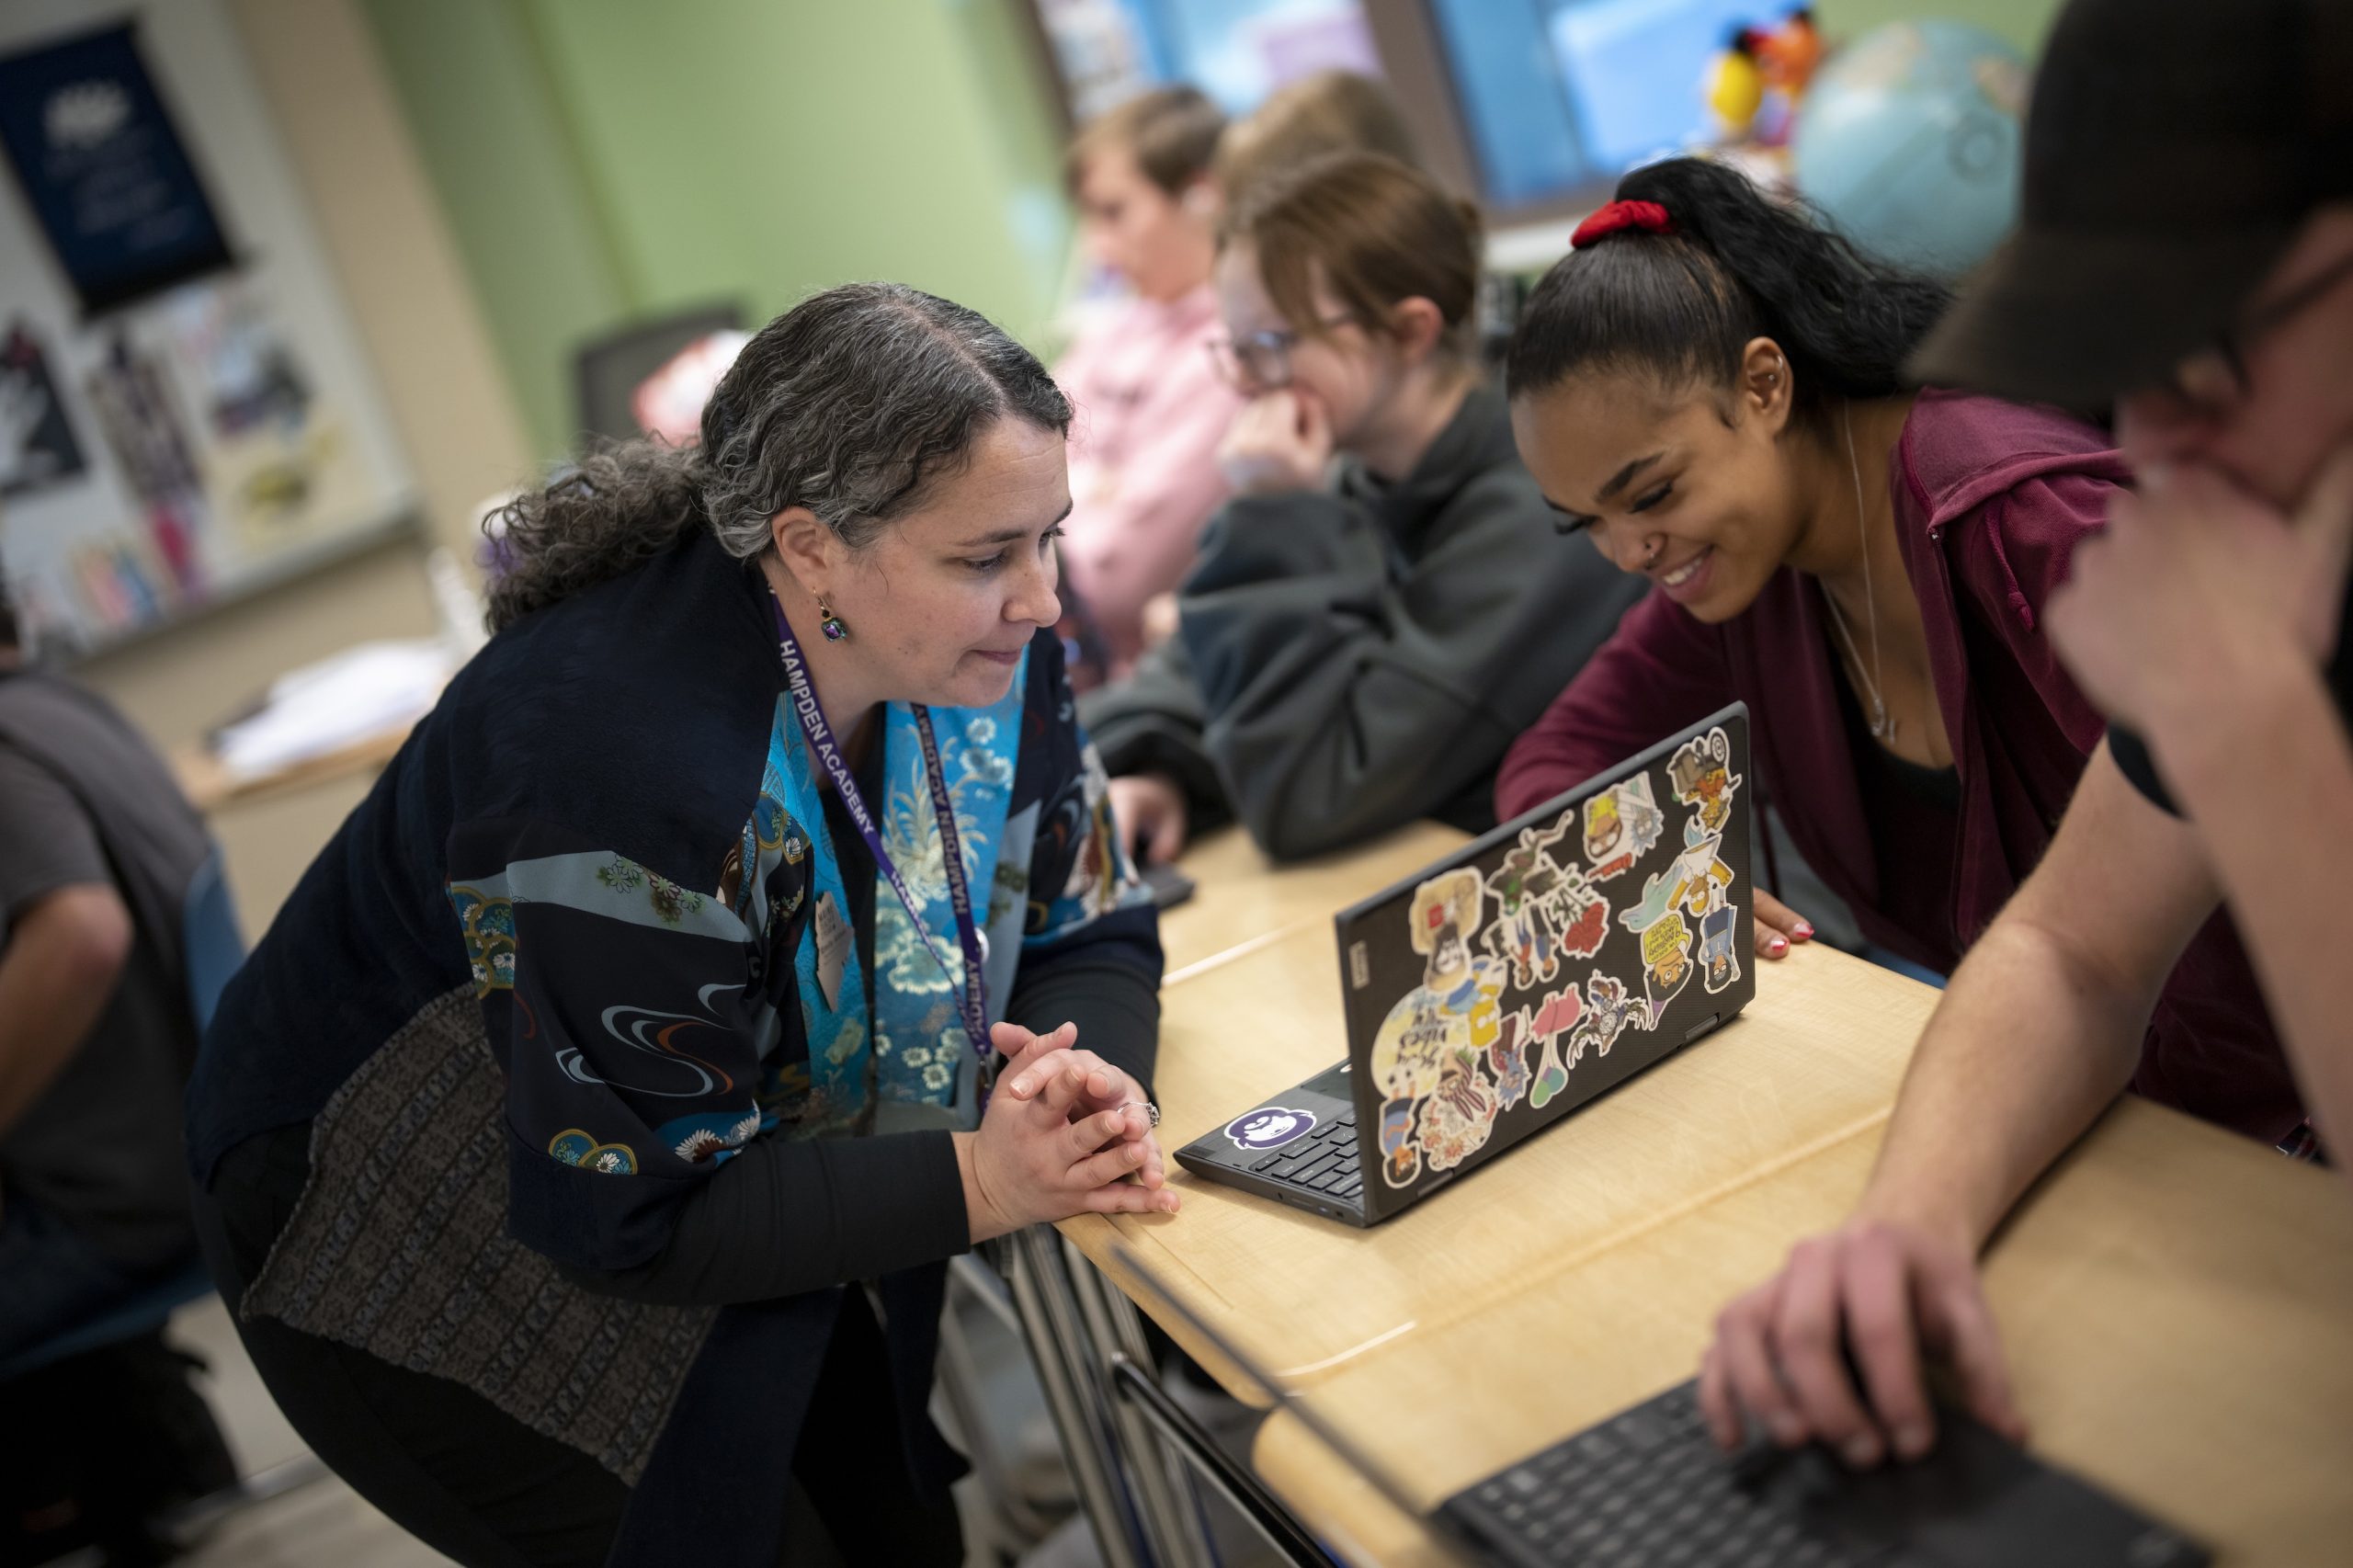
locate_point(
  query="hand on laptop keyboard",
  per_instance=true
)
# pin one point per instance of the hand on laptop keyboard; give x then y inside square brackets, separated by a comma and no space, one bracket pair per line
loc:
[1647,1489]
[1829,1349]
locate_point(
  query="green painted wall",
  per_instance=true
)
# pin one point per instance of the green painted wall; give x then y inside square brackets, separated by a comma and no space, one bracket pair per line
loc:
[2023,22]
[486,123]
[602,160]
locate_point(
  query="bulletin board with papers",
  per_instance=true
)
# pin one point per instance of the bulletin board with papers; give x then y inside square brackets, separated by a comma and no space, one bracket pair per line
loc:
[187,415]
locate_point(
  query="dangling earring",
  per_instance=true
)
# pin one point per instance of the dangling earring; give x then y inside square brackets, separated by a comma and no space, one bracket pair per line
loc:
[829,623]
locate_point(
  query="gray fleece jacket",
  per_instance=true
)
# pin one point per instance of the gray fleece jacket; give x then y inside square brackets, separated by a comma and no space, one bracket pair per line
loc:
[1354,658]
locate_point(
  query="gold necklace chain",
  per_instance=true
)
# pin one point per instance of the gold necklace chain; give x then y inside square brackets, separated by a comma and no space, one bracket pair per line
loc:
[1882,727]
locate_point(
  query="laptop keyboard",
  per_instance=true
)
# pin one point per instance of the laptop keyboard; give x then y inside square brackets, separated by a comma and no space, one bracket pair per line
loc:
[1324,1162]
[1648,1488]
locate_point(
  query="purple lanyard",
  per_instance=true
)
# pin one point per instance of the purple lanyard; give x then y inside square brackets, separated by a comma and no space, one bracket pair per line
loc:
[972,1006]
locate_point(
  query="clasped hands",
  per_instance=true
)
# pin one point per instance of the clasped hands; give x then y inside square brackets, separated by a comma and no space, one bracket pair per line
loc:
[1065,1133]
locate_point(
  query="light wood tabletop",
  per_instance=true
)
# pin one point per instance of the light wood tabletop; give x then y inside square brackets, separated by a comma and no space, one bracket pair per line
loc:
[1247,899]
[1813,1062]
[2176,1301]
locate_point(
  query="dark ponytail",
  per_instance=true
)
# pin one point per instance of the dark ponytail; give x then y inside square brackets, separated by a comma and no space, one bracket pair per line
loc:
[1738,265]
[852,403]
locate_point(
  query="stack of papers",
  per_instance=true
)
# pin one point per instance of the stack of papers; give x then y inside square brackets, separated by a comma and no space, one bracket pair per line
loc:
[360,693]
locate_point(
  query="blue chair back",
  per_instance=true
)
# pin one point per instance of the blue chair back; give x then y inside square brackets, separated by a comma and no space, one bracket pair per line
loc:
[211,938]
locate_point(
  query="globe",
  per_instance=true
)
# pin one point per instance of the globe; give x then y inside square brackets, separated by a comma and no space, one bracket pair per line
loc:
[1908,142]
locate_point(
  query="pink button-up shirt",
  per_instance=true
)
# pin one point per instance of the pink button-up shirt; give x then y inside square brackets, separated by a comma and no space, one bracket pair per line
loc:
[1143,474]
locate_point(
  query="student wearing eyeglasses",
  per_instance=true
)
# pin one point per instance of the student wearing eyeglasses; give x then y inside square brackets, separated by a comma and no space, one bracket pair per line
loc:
[1381,608]
[2186,257]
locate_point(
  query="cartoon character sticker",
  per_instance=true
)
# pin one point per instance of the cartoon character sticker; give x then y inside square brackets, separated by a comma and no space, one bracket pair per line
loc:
[1560,1013]
[1400,1161]
[1526,875]
[1719,948]
[1434,1041]
[1268,1126]
[1695,883]
[1544,909]
[1700,775]
[1509,1057]
[1457,1121]
[1666,962]
[1609,1013]
[1621,825]
[1584,917]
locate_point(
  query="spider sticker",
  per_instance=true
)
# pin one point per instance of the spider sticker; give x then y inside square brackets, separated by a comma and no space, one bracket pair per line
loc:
[1609,1013]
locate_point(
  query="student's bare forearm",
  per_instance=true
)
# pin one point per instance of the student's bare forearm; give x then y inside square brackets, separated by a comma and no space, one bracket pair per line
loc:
[57,974]
[2269,783]
[43,1024]
[2041,1027]
[2023,1054]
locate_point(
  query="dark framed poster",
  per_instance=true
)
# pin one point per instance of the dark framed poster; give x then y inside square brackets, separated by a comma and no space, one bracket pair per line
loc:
[104,169]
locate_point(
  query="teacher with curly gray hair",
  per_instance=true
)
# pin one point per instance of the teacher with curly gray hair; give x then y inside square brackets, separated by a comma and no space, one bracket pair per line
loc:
[581,1150]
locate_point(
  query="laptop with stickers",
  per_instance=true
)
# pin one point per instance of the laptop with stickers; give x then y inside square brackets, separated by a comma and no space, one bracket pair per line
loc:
[1498,990]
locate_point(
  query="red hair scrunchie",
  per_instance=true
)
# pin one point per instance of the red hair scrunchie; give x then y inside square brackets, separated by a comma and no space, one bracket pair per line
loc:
[1647,216]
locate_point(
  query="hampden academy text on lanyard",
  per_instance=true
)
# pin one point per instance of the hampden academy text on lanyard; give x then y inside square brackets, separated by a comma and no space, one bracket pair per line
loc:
[970,1004]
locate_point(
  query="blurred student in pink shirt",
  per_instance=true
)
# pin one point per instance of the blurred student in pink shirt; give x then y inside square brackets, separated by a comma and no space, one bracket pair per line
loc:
[1151,407]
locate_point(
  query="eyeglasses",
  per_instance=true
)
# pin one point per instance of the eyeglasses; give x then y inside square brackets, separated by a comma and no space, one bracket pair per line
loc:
[1260,361]
[2215,378]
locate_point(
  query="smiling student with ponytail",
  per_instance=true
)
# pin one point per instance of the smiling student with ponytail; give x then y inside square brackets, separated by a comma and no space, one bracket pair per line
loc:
[1708,387]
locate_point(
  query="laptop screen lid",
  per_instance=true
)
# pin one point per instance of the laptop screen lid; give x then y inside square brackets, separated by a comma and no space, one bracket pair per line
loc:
[1548,961]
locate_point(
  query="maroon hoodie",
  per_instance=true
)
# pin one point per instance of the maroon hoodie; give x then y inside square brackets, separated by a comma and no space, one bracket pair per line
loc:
[1991,499]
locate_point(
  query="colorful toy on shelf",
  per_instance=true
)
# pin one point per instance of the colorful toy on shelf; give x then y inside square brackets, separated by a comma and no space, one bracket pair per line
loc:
[1736,81]
[1790,53]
